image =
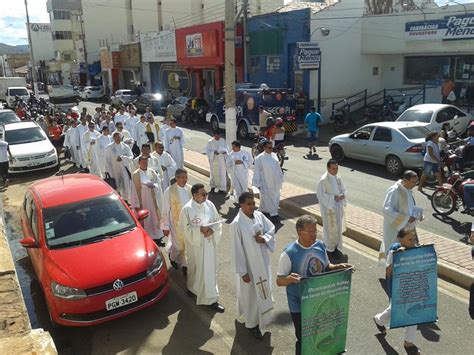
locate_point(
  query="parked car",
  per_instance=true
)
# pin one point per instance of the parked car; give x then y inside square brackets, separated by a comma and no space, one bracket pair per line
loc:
[93,259]
[8,116]
[122,97]
[62,94]
[155,101]
[91,93]
[179,106]
[30,147]
[433,116]
[397,145]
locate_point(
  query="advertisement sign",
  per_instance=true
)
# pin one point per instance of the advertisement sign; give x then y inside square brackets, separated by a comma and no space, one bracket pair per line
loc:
[325,312]
[40,27]
[414,287]
[194,45]
[175,79]
[448,29]
[158,46]
[308,55]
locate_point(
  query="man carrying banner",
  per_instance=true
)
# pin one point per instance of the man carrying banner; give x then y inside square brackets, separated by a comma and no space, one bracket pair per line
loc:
[253,237]
[305,257]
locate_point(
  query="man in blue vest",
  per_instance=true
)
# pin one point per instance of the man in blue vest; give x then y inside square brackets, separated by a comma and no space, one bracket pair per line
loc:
[303,258]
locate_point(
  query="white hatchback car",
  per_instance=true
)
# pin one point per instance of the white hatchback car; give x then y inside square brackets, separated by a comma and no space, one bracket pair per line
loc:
[91,93]
[30,147]
[433,116]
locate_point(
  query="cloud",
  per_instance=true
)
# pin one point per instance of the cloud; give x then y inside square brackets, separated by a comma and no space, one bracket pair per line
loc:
[13,19]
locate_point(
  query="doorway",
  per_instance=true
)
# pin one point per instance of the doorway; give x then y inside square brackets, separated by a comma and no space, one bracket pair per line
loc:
[208,85]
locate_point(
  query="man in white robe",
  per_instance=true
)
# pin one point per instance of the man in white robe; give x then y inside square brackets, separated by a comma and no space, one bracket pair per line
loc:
[140,132]
[90,150]
[253,239]
[268,178]
[399,210]
[168,165]
[71,142]
[152,130]
[102,143]
[174,199]
[118,157]
[107,122]
[130,122]
[121,116]
[239,161]
[126,136]
[146,193]
[153,162]
[216,151]
[164,127]
[331,194]
[200,227]
[174,143]
[80,130]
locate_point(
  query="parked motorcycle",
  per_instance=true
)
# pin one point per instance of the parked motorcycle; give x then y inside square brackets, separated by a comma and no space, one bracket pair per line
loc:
[450,197]
[279,149]
[342,118]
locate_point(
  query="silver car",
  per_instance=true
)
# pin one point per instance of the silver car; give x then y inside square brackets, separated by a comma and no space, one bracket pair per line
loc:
[122,97]
[397,145]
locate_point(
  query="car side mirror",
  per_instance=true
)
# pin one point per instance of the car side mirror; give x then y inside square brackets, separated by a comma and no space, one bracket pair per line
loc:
[28,242]
[455,117]
[142,214]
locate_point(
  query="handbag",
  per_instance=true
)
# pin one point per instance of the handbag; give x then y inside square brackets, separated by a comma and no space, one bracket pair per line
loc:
[110,181]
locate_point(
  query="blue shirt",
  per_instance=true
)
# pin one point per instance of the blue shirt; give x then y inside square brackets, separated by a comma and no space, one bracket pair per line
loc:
[312,120]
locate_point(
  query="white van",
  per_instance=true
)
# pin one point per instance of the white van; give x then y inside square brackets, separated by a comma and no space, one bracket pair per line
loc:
[11,87]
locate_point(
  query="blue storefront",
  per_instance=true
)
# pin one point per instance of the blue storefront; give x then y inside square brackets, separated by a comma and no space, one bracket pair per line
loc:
[272,49]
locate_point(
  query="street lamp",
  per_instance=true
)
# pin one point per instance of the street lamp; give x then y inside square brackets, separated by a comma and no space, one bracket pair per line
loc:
[410,6]
[324,31]
[446,5]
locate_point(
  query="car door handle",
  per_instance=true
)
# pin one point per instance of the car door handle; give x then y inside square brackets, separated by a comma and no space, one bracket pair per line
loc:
[387,146]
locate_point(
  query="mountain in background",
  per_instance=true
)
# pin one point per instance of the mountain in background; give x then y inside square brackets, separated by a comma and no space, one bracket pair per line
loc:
[5,48]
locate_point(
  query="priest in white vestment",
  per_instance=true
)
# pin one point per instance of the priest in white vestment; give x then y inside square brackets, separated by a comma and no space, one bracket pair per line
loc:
[127,138]
[253,240]
[102,143]
[200,226]
[146,193]
[140,132]
[71,142]
[130,122]
[80,130]
[168,165]
[174,143]
[152,130]
[174,199]
[268,178]
[239,163]
[120,116]
[331,194]
[90,150]
[118,157]
[399,210]
[216,151]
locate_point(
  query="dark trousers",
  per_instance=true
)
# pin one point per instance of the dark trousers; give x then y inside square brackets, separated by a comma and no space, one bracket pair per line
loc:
[4,170]
[296,317]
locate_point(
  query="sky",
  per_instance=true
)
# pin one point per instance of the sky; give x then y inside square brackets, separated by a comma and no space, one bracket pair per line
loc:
[13,18]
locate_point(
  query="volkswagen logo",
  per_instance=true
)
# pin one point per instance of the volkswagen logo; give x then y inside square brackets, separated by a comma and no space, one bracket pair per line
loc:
[118,284]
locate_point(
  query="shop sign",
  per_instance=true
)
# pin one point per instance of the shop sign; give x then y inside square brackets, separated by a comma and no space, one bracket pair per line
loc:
[448,29]
[194,45]
[40,27]
[308,55]
[158,46]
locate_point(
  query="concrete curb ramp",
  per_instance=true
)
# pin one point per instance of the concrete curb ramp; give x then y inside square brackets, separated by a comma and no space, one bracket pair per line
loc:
[454,259]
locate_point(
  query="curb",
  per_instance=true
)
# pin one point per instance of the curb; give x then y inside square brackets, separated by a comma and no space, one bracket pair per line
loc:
[445,271]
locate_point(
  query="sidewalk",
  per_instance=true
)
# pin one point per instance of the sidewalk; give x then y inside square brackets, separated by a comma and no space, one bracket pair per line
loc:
[454,259]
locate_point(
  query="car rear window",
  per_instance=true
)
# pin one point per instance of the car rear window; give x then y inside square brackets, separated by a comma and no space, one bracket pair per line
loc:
[18,92]
[127,92]
[24,135]
[94,88]
[416,115]
[414,132]
[8,117]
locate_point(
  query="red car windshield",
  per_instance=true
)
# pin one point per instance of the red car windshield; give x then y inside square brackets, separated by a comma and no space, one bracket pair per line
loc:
[86,222]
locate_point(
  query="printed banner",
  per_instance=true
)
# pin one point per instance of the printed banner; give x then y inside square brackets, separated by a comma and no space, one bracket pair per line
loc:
[414,287]
[194,45]
[308,55]
[447,29]
[325,312]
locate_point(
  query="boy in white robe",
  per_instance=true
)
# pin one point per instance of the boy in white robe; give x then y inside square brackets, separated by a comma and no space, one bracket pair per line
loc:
[174,143]
[118,157]
[253,239]
[239,161]
[216,151]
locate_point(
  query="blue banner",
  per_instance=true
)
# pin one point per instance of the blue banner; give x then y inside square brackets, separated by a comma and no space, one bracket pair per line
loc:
[455,27]
[414,287]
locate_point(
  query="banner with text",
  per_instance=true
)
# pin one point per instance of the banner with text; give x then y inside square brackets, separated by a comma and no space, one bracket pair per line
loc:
[447,29]
[325,312]
[308,55]
[414,287]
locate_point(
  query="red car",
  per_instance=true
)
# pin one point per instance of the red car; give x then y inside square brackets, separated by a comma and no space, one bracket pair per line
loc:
[92,257]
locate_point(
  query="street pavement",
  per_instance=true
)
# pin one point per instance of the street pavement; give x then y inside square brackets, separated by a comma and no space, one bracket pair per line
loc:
[177,326]
[366,183]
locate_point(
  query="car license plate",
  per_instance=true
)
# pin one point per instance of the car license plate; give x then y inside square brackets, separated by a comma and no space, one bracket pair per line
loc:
[121,301]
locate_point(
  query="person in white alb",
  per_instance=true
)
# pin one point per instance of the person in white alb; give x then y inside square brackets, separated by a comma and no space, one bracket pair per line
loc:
[253,240]
[79,139]
[216,151]
[131,121]
[102,143]
[240,161]
[121,117]
[71,142]
[118,157]
[168,165]
[90,150]
[174,143]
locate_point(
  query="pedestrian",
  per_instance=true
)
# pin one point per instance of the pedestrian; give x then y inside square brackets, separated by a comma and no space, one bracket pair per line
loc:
[312,122]
[253,240]
[167,163]
[431,160]
[146,193]
[239,161]
[331,194]
[174,143]
[303,258]
[56,136]
[174,199]
[118,157]
[216,151]
[5,157]
[300,104]
[200,227]
[446,89]
[406,240]
[90,150]
[268,178]
[399,210]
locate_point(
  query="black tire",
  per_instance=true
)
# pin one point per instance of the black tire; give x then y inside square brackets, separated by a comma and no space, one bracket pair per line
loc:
[394,165]
[443,203]
[183,117]
[337,153]
[431,180]
[214,124]
[243,130]
[339,125]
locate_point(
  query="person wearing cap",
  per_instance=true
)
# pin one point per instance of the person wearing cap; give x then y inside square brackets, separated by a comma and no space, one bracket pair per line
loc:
[174,143]
[216,151]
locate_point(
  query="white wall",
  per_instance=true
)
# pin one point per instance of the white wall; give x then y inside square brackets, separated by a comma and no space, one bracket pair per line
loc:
[42,42]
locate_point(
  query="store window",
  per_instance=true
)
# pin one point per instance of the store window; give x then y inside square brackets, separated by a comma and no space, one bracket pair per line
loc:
[425,70]
[61,15]
[62,35]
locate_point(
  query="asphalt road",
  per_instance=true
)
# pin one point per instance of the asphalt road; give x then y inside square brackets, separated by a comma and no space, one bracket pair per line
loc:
[177,326]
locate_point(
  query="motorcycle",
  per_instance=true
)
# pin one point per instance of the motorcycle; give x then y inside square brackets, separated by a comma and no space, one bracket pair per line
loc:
[342,118]
[279,149]
[450,197]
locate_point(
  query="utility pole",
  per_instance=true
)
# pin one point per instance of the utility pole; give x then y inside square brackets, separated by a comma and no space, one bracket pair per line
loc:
[229,79]
[33,66]
[245,8]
